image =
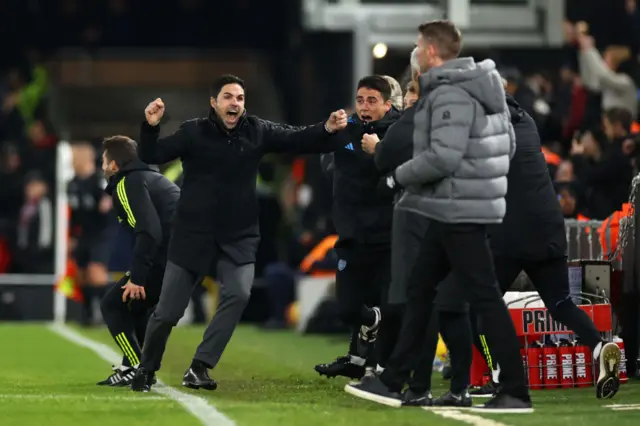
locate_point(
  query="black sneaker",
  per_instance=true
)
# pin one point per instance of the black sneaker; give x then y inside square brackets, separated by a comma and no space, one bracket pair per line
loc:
[116,377]
[376,391]
[488,390]
[196,378]
[411,398]
[451,400]
[503,403]
[609,379]
[342,366]
[127,378]
[142,380]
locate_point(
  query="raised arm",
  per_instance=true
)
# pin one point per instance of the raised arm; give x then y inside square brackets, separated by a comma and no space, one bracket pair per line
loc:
[451,117]
[155,150]
[607,78]
[316,139]
[142,216]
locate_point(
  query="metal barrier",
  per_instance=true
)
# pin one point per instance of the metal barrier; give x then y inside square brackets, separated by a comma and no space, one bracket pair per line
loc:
[583,243]
[583,240]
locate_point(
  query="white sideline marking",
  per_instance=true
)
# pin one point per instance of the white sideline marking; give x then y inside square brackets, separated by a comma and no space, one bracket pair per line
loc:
[466,418]
[623,407]
[84,397]
[195,405]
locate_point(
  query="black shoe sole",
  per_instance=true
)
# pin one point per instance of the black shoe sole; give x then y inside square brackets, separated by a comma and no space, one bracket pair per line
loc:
[332,376]
[194,386]
[609,380]
[141,390]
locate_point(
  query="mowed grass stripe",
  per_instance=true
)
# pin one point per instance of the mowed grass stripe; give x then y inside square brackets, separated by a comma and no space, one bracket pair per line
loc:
[36,362]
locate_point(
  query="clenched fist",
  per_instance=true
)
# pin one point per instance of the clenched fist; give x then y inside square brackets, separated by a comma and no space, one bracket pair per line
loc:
[337,121]
[369,143]
[154,112]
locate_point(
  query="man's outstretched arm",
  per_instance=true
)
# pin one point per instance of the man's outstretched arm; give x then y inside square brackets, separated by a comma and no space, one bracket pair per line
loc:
[316,139]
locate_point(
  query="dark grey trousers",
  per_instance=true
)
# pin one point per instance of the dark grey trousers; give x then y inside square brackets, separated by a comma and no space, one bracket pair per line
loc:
[408,231]
[178,284]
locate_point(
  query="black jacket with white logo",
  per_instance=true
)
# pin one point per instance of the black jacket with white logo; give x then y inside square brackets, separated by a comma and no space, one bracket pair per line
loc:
[361,211]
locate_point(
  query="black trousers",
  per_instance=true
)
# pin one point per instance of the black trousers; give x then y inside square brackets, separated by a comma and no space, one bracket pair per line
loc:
[462,249]
[409,229]
[550,278]
[127,322]
[363,276]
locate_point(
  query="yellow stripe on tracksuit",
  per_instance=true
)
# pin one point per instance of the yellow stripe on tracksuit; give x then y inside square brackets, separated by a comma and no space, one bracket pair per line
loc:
[124,344]
[122,196]
[485,349]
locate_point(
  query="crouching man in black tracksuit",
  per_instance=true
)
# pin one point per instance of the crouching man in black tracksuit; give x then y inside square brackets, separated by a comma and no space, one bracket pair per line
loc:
[362,215]
[144,201]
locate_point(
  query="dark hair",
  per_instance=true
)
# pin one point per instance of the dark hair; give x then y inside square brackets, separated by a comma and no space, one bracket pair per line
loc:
[34,176]
[121,149]
[378,83]
[222,81]
[444,35]
[620,115]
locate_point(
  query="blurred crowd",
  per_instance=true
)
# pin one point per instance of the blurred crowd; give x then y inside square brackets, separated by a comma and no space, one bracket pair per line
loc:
[27,163]
[586,112]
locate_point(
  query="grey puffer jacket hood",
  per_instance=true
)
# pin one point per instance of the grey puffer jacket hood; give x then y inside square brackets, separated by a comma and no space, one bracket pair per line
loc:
[462,143]
[480,80]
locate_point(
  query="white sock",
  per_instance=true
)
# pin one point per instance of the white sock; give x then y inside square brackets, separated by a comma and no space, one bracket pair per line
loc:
[356,360]
[379,369]
[495,374]
[596,351]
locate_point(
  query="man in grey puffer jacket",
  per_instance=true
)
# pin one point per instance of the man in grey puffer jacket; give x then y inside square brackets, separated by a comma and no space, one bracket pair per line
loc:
[463,142]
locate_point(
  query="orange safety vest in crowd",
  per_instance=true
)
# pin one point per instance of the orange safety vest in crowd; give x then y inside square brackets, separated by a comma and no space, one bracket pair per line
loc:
[318,253]
[583,218]
[551,157]
[609,230]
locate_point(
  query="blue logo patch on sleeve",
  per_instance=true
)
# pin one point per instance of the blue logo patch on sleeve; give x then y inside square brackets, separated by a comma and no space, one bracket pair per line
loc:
[342,264]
